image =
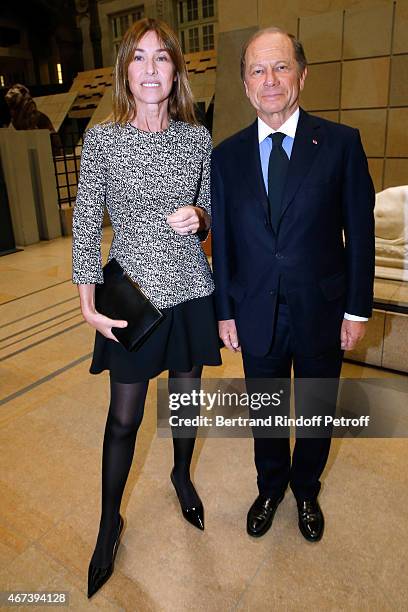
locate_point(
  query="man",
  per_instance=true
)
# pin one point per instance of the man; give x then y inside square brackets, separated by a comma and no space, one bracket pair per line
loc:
[293,255]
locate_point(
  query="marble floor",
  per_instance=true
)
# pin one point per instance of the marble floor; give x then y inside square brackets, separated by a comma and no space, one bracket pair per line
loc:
[52,416]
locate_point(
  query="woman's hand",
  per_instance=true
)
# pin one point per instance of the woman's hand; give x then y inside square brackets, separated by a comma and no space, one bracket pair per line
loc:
[189,220]
[103,324]
[94,318]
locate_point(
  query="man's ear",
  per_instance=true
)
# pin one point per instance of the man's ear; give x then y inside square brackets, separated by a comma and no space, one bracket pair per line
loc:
[302,79]
[246,89]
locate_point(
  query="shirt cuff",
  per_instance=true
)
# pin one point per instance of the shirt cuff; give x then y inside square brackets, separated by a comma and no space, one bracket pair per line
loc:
[351,317]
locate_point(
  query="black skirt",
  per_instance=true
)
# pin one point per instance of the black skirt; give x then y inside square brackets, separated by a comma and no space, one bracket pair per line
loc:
[187,337]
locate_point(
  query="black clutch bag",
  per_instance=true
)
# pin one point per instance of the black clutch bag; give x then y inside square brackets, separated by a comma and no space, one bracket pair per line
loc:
[119,297]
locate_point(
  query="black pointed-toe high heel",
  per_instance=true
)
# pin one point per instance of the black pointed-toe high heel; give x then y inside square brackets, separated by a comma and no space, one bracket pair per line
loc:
[194,515]
[97,576]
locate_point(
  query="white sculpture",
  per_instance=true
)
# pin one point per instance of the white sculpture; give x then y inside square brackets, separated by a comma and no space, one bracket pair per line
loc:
[391,233]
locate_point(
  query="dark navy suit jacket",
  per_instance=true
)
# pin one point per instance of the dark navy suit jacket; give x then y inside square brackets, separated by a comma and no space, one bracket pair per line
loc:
[322,254]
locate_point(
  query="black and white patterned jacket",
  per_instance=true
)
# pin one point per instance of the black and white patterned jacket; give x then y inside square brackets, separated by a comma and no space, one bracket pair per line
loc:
[142,177]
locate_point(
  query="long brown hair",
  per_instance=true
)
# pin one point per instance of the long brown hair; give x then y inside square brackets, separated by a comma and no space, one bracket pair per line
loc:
[181,105]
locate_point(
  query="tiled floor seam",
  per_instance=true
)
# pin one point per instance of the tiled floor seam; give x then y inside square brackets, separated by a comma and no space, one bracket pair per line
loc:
[40,331]
[44,379]
[36,312]
[22,350]
[20,297]
[249,583]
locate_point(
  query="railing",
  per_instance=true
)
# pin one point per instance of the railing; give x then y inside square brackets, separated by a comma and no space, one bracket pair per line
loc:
[66,165]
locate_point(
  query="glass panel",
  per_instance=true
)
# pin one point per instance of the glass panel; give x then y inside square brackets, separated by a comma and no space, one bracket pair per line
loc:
[115,27]
[193,40]
[192,10]
[208,37]
[208,8]
[124,24]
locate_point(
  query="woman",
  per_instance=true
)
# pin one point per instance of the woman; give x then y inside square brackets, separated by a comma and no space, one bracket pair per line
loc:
[150,165]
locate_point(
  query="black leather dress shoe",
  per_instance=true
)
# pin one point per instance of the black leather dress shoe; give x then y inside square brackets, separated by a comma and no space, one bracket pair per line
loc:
[311,520]
[194,515]
[260,515]
[97,576]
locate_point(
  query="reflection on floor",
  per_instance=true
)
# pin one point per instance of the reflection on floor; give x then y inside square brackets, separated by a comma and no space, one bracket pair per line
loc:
[51,425]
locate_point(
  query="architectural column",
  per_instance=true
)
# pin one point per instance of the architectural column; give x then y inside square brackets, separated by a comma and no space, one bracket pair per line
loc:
[95,33]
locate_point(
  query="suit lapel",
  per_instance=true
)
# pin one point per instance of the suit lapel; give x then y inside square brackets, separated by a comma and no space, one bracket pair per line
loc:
[251,166]
[306,145]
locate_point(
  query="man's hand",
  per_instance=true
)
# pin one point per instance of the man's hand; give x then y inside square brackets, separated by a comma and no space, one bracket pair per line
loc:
[189,220]
[228,334]
[351,333]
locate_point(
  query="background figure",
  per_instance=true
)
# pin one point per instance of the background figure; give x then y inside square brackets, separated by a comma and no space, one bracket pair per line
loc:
[26,116]
[289,291]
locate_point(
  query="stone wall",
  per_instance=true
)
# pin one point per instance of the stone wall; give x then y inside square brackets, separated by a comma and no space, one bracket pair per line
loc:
[358,71]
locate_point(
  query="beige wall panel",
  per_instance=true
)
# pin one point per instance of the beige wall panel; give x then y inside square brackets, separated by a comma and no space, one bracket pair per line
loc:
[322,87]
[44,183]
[367,32]
[401,27]
[365,83]
[232,110]
[400,297]
[330,115]
[371,123]
[395,355]
[321,36]
[18,179]
[237,15]
[376,167]
[385,289]
[399,80]
[397,137]
[282,14]
[285,14]
[396,172]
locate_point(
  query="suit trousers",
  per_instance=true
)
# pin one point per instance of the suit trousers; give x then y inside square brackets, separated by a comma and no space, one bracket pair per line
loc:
[275,469]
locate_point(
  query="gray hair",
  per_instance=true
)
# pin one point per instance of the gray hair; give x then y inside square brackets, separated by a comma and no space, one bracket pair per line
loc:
[297,48]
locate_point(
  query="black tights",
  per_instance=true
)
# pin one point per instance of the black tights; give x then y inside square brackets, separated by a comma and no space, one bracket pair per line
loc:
[124,418]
